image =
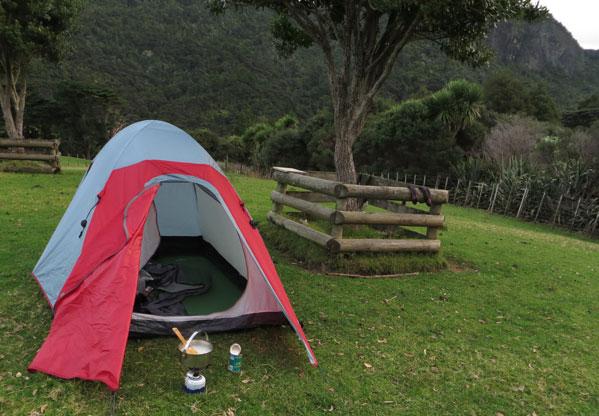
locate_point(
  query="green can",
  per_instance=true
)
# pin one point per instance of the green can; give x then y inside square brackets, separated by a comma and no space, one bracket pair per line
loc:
[235,358]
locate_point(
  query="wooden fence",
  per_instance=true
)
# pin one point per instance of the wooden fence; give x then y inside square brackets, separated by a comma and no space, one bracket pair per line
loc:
[36,150]
[316,190]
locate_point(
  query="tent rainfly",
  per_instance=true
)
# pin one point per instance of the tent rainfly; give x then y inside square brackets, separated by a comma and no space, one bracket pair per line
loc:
[151,194]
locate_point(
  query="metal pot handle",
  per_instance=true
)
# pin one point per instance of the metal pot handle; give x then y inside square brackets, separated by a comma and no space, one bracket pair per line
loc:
[188,343]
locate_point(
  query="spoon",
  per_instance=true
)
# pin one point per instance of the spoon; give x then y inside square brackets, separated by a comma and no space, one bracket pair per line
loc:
[190,349]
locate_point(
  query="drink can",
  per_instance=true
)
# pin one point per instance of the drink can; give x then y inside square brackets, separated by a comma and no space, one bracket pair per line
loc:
[235,358]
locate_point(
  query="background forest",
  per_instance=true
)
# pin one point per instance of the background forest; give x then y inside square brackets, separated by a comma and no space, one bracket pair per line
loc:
[533,109]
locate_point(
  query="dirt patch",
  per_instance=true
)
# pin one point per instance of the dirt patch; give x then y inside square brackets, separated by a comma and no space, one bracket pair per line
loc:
[460,267]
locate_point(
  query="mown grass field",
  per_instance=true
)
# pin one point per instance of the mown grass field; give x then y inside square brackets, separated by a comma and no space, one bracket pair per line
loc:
[515,334]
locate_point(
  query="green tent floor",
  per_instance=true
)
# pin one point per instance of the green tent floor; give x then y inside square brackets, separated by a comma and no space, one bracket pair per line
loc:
[199,267]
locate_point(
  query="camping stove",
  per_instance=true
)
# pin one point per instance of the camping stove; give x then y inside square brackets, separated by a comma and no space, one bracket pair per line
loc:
[194,382]
[195,355]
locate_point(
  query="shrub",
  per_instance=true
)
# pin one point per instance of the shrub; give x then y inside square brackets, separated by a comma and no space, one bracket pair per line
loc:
[513,136]
[285,147]
[406,137]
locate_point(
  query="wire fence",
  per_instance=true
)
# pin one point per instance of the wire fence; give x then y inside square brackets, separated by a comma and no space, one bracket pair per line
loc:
[528,202]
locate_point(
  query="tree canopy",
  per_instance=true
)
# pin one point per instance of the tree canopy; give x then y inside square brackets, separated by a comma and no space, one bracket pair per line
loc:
[362,39]
[28,29]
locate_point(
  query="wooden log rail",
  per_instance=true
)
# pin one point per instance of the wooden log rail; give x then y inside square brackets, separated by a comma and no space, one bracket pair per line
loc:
[316,190]
[35,150]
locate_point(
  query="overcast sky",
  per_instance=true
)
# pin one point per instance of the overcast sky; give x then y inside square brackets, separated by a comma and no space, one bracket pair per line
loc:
[580,17]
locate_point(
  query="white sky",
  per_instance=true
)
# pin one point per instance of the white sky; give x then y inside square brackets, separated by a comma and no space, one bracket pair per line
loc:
[581,18]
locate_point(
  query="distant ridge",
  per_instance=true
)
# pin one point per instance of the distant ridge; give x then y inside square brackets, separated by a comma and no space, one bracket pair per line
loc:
[173,60]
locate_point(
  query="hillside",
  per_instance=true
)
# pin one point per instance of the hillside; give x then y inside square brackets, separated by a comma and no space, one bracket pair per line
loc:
[172,59]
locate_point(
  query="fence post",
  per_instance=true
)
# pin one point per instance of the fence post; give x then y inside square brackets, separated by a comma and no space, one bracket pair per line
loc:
[446,182]
[508,202]
[282,189]
[494,196]
[56,153]
[437,183]
[405,178]
[540,205]
[455,192]
[414,181]
[432,233]
[481,187]
[467,194]
[424,181]
[337,230]
[559,203]
[524,196]
[596,223]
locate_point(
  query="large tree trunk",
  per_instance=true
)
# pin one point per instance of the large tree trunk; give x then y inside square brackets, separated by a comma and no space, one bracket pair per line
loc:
[344,158]
[359,50]
[9,121]
[349,119]
[12,101]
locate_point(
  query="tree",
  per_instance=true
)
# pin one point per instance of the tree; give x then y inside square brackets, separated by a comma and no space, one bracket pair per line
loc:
[542,105]
[420,135]
[506,93]
[28,29]
[592,101]
[361,40]
[458,105]
[85,116]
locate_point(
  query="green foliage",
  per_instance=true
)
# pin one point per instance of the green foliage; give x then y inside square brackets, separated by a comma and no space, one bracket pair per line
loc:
[288,38]
[361,41]
[580,118]
[586,114]
[210,141]
[592,101]
[541,105]
[29,29]
[181,64]
[34,28]
[506,93]
[314,257]
[277,143]
[421,136]
[457,105]
[83,116]
[319,136]
[233,148]
[285,147]
[407,137]
[173,60]
[458,27]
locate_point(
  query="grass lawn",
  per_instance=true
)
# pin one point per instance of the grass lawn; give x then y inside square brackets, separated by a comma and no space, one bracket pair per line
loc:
[517,336]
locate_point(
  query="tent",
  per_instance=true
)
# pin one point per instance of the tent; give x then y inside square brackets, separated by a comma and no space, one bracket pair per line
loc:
[152,190]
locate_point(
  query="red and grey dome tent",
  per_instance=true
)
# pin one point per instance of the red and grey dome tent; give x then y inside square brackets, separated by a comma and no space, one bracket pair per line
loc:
[151,183]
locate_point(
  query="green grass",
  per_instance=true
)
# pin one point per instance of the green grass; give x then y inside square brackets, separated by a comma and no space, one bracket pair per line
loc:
[313,257]
[517,336]
[29,166]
